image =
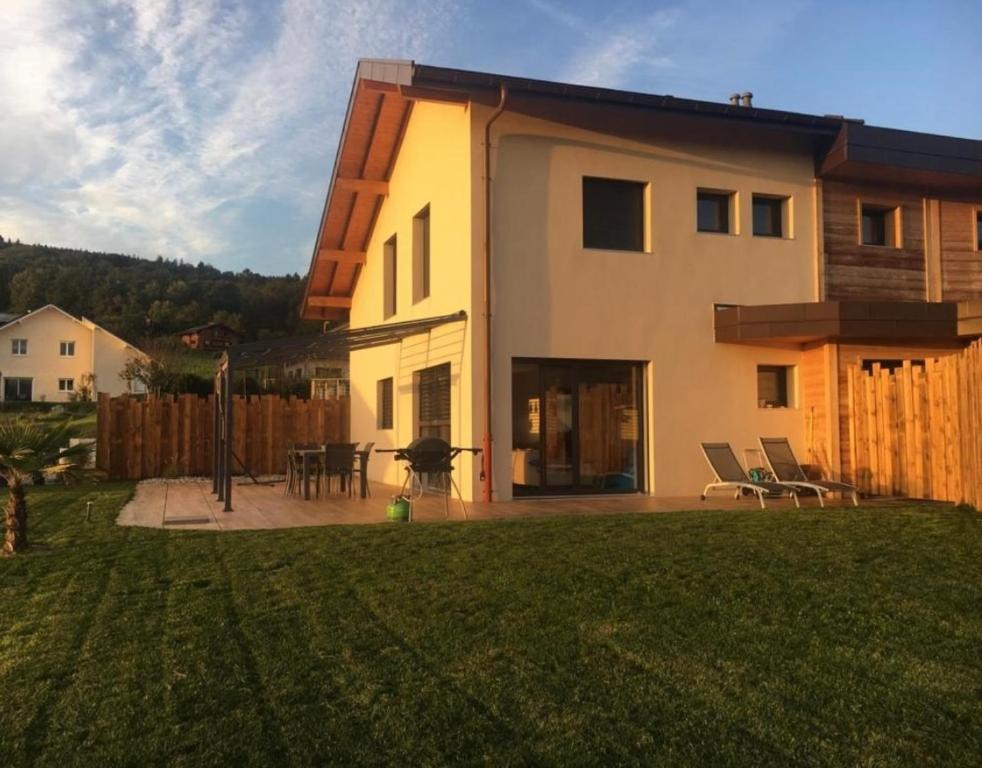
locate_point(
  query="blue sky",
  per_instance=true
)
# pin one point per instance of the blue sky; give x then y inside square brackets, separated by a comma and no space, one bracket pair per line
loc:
[205,129]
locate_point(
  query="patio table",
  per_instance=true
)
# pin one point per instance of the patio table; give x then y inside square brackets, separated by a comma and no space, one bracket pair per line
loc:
[305,455]
[362,457]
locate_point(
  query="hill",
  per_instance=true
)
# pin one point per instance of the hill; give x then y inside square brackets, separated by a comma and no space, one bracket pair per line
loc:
[141,298]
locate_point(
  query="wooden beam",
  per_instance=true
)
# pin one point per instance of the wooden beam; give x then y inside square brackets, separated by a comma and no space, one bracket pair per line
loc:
[363,185]
[342,257]
[379,85]
[329,302]
[417,93]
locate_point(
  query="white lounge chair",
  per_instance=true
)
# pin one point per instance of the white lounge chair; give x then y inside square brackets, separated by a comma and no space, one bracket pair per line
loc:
[731,476]
[787,470]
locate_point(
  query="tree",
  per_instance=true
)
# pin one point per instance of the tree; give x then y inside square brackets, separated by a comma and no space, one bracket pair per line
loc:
[26,449]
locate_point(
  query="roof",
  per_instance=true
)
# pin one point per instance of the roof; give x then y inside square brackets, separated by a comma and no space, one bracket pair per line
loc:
[384,91]
[83,321]
[8,317]
[340,340]
[205,326]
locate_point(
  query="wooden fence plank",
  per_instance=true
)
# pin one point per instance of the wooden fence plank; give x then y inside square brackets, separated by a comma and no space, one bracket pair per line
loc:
[168,436]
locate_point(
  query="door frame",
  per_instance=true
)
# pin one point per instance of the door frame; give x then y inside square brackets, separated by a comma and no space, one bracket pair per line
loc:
[639,369]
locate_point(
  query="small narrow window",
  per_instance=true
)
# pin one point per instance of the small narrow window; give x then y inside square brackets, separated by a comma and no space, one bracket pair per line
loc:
[384,405]
[389,277]
[66,348]
[421,255]
[769,215]
[775,386]
[613,214]
[978,230]
[879,225]
[18,347]
[713,211]
[66,385]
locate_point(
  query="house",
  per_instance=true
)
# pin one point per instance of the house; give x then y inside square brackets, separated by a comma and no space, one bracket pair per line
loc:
[210,337]
[639,273]
[328,377]
[49,355]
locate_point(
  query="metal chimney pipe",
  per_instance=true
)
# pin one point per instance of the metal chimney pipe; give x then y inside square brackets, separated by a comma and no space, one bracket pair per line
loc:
[748,99]
[735,99]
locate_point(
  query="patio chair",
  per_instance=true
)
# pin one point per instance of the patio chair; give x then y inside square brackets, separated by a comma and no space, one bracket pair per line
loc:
[339,462]
[731,476]
[787,470]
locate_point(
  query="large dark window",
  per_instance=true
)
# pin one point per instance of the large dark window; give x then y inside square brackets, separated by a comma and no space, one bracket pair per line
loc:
[383,407]
[613,214]
[879,225]
[577,426]
[18,389]
[433,388]
[768,216]
[713,211]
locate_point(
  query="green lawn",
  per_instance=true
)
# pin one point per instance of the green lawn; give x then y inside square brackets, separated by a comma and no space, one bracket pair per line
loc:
[704,638]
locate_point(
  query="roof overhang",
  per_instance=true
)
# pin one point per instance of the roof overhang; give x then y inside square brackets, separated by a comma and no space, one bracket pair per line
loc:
[845,321]
[291,349]
[867,153]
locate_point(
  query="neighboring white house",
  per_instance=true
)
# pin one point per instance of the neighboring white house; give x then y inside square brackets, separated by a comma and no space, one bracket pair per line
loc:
[49,355]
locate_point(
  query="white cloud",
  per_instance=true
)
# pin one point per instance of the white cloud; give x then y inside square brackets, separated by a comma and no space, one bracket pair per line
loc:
[143,125]
[611,59]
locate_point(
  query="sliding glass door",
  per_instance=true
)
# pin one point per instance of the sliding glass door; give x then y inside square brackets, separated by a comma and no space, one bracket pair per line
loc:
[577,426]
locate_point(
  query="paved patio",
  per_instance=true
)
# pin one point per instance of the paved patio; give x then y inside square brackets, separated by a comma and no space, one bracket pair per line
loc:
[183,504]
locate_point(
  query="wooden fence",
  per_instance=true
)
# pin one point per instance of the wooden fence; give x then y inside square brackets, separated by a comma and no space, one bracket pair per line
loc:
[172,436]
[917,431]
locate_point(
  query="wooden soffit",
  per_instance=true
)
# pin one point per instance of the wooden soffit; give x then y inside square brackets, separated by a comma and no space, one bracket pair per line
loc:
[377,118]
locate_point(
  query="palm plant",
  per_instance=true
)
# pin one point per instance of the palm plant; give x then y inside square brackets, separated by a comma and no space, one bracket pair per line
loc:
[28,449]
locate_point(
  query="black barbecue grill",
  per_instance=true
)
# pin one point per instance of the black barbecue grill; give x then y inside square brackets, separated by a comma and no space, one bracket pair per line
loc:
[429,457]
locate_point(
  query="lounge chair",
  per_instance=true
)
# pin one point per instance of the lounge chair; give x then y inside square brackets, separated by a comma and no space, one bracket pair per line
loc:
[730,476]
[787,470]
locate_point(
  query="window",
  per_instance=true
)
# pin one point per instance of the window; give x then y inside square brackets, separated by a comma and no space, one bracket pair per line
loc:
[66,348]
[433,386]
[18,389]
[978,230]
[713,211]
[66,385]
[769,215]
[775,386]
[421,255]
[613,214]
[879,225]
[384,406]
[18,347]
[389,278]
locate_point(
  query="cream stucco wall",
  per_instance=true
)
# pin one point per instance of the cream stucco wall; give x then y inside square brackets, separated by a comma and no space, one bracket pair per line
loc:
[96,352]
[556,299]
[433,168]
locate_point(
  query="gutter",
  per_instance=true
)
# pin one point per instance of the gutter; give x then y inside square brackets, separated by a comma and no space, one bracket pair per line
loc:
[488,442]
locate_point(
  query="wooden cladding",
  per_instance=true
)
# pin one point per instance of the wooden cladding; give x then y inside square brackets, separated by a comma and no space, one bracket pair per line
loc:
[916,431]
[961,257]
[931,250]
[853,270]
[173,436]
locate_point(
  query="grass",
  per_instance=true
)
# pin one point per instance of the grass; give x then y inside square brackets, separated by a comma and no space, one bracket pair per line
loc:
[704,638]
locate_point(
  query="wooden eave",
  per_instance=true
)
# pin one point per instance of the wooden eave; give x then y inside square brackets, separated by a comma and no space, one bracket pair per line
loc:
[375,124]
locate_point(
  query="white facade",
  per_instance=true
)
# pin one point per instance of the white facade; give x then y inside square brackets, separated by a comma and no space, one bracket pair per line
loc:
[49,356]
